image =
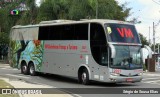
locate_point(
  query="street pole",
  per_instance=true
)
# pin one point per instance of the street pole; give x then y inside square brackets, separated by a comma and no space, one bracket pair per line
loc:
[153,38]
[158,48]
[149,35]
[97,10]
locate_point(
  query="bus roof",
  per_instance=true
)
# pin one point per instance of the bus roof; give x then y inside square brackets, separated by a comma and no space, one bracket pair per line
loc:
[61,22]
[101,21]
[25,26]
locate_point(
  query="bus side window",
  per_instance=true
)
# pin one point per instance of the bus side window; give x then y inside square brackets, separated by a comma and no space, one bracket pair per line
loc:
[98,44]
[68,32]
[64,32]
[56,32]
[43,33]
[81,31]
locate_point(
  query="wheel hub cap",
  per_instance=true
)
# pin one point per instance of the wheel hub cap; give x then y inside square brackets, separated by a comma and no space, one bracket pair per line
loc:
[83,77]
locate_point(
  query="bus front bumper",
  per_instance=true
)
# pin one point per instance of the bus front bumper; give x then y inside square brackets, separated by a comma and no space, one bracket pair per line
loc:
[119,79]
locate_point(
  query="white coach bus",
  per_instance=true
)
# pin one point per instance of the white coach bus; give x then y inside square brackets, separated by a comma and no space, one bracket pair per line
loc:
[99,50]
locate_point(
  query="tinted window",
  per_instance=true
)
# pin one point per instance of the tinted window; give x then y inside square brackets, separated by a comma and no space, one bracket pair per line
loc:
[98,44]
[56,32]
[44,33]
[81,31]
[122,33]
[64,32]
[68,32]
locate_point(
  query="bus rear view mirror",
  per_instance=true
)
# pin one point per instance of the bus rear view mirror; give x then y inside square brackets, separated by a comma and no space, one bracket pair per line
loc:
[149,51]
[113,51]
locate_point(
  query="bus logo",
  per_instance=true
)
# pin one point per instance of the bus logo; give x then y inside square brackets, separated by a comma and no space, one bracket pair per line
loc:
[118,71]
[129,74]
[124,32]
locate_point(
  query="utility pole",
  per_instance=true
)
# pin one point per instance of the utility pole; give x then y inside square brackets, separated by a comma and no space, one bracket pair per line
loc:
[158,48]
[149,35]
[154,37]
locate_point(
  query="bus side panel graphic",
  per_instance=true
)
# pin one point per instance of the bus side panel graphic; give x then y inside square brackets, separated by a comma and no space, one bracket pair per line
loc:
[27,51]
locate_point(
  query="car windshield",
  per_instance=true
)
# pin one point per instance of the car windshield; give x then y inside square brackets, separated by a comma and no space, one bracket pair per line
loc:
[127,57]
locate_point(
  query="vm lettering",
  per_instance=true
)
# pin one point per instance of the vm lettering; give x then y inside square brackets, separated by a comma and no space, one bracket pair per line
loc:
[124,32]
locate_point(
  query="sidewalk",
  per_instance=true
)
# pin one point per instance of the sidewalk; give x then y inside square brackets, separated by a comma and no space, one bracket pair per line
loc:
[4,65]
[23,84]
[20,84]
[156,73]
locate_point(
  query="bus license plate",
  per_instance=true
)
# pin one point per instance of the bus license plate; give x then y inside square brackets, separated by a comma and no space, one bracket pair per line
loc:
[129,79]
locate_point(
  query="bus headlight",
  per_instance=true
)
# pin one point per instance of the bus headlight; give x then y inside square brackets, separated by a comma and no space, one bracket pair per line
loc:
[114,74]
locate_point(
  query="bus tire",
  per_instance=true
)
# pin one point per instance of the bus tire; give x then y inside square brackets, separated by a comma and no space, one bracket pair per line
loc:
[32,71]
[24,68]
[85,77]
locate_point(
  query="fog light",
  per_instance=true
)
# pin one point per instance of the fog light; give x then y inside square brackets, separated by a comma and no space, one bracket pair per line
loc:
[114,74]
[113,80]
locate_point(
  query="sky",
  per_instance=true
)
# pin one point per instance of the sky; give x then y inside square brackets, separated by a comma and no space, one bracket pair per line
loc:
[38,2]
[146,11]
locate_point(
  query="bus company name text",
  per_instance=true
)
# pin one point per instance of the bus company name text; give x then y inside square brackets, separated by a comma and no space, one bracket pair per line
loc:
[61,47]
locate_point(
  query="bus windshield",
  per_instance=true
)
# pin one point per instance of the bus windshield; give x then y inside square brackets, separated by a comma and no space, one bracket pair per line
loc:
[127,57]
[121,33]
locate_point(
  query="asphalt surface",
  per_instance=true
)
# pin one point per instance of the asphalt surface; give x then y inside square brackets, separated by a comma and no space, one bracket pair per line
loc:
[70,85]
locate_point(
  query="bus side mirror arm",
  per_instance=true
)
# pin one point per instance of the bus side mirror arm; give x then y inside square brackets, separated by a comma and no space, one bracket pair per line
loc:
[113,51]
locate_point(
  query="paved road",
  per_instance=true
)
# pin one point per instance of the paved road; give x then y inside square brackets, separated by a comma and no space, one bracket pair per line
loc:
[150,80]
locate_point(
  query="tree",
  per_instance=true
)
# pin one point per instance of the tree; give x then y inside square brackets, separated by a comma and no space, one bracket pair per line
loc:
[4,39]
[82,9]
[29,16]
[48,10]
[7,20]
[143,39]
[106,9]
[54,9]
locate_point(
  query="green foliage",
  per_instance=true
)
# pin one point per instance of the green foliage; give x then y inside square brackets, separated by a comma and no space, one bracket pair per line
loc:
[7,20]
[4,39]
[144,67]
[82,9]
[143,40]
[53,9]
[29,16]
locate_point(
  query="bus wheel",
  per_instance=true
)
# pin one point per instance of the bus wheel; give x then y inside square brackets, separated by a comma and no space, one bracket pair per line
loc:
[24,69]
[32,71]
[85,77]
